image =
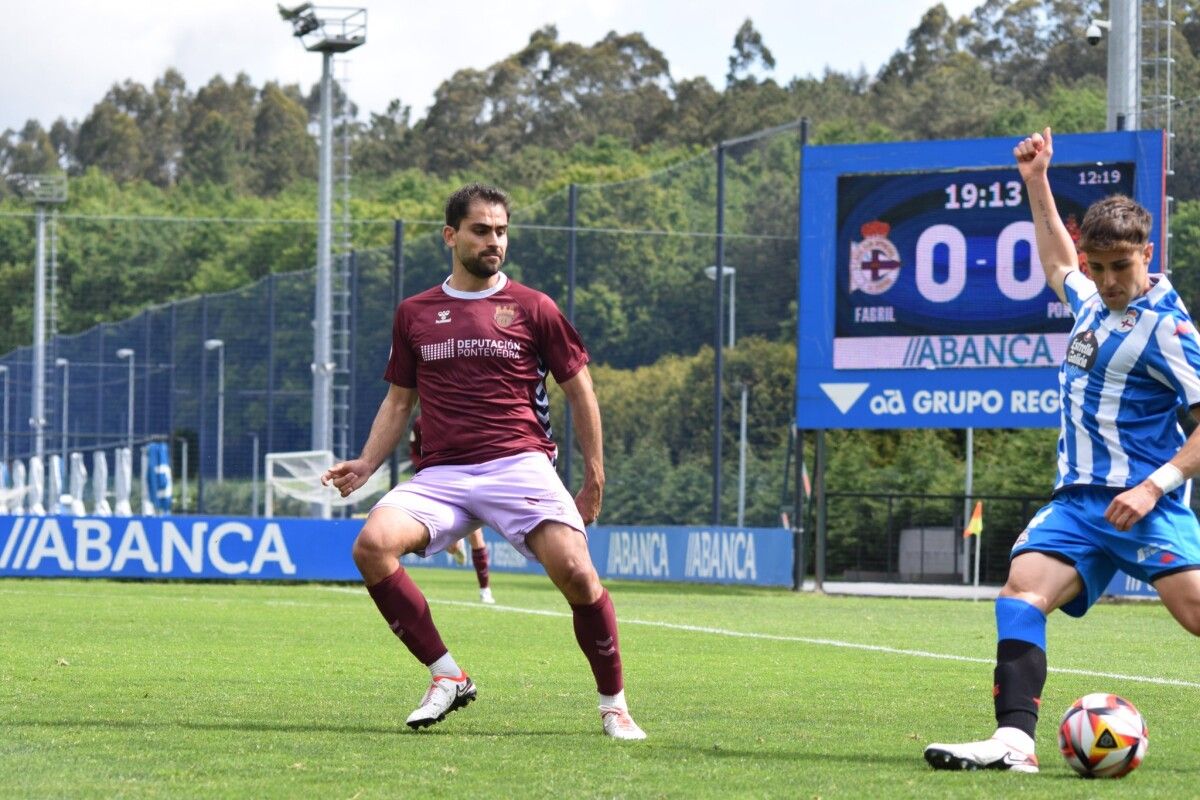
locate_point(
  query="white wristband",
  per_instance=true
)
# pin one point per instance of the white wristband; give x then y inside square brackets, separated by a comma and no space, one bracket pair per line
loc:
[1168,478]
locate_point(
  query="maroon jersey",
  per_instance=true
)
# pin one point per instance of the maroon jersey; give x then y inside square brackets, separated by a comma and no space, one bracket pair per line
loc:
[478,361]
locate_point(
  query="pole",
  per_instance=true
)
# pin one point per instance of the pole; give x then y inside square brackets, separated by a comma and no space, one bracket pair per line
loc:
[221,414]
[819,487]
[37,415]
[1123,65]
[254,477]
[572,221]
[741,517]
[129,420]
[66,388]
[968,490]
[798,512]
[4,372]
[718,355]
[732,304]
[322,344]
[397,295]
[183,473]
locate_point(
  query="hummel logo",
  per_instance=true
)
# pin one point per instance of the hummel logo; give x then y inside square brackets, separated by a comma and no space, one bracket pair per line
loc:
[606,647]
[396,629]
[442,317]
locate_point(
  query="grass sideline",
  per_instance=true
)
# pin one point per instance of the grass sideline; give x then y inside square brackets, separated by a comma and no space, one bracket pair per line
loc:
[135,689]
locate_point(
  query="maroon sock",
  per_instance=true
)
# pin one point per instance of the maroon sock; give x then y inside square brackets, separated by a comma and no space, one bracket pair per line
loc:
[479,557]
[407,613]
[596,632]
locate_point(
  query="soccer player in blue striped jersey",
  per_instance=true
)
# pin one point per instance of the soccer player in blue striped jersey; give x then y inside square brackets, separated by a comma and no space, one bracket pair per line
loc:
[1119,498]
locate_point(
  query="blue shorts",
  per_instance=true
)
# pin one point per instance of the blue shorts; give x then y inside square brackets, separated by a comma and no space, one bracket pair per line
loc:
[1072,528]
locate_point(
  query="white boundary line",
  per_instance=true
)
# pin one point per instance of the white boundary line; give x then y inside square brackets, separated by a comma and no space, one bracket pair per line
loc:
[804,640]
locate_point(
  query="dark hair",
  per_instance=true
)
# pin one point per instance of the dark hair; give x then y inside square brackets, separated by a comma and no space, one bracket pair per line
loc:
[459,203]
[1113,223]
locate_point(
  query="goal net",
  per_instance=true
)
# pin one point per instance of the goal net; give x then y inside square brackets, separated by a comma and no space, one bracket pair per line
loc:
[298,475]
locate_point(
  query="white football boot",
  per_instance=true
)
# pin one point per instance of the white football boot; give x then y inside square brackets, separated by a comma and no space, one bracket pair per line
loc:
[445,694]
[485,596]
[458,552]
[1008,748]
[618,724]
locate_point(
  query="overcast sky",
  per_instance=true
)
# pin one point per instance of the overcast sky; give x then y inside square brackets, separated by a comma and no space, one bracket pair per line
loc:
[63,55]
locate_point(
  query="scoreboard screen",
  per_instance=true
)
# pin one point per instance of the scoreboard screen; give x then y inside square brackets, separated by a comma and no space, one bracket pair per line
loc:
[951,254]
[922,300]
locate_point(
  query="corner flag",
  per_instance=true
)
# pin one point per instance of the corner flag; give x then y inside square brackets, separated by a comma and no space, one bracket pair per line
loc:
[975,526]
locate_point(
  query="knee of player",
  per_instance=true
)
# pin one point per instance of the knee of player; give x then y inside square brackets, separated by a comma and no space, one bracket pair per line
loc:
[580,579]
[369,545]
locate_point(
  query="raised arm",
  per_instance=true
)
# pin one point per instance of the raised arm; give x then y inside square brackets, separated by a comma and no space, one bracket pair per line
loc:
[586,414]
[1055,248]
[391,421]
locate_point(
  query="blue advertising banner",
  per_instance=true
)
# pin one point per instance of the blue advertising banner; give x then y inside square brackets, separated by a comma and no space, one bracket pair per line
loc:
[922,300]
[306,549]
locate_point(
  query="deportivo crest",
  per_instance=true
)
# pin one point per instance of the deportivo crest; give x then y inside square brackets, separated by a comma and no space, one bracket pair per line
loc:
[505,315]
[875,261]
[1128,320]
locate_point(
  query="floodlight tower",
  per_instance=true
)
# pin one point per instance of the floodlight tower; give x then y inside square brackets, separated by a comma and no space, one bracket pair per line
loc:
[325,30]
[41,190]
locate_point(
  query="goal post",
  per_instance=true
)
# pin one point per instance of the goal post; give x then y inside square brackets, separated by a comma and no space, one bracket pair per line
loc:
[298,475]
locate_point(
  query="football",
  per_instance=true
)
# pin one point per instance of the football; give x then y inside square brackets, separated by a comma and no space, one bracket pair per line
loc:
[1102,736]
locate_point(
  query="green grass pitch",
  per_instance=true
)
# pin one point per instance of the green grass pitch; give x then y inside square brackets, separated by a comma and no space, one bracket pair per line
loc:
[126,689]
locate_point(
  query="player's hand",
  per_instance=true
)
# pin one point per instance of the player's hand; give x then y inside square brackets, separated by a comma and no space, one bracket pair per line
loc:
[588,502]
[1033,154]
[346,476]
[1130,506]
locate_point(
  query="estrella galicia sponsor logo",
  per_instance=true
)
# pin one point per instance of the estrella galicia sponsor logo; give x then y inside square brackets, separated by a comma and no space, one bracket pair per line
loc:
[1081,353]
[722,555]
[638,553]
[112,546]
[998,350]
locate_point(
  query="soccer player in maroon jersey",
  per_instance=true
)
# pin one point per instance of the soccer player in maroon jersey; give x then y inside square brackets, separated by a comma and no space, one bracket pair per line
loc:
[479,553]
[475,351]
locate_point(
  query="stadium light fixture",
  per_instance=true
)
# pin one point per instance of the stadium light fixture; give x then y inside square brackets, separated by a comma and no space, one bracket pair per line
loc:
[219,346]
[326,30]
[66,394]
[123,353]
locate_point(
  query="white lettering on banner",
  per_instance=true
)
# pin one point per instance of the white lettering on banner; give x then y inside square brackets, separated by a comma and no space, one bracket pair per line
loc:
[957,402]
[86,544]
[50,544]
[720,555]
[638,553]
[173,543]
[891,401]
[43,539]
[1032,401]
[134,545]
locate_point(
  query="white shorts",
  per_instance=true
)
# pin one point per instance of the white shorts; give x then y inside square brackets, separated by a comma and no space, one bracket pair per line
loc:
[511,495]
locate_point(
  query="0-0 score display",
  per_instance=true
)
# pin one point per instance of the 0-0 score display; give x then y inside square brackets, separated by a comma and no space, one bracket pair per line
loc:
[940,269]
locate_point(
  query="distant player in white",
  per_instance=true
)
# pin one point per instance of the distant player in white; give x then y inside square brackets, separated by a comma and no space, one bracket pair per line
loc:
[476,351]
[1118,501]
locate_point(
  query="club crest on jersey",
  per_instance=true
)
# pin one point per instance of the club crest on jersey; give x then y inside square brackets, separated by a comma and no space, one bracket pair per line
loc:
[505,315]
[875,261]
[1128,320]
[1081,353]
[443,317]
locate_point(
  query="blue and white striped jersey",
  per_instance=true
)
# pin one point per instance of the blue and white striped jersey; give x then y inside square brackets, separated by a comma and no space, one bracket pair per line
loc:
[1124,376]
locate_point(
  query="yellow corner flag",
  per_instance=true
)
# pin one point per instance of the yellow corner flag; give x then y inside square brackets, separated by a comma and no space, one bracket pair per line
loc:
[975,526]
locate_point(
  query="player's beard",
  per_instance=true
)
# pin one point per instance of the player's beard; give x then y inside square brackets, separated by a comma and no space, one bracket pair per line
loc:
[480,266]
